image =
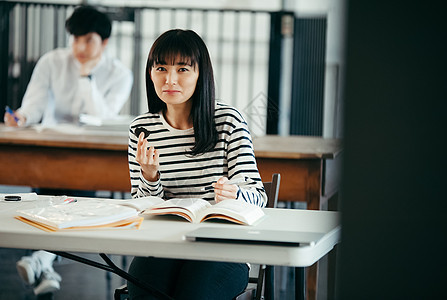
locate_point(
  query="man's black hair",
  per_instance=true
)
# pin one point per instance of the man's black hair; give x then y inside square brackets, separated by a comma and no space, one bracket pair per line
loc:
[87,19]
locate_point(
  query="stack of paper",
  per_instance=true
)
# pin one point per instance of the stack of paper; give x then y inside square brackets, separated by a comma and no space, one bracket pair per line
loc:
[80,216]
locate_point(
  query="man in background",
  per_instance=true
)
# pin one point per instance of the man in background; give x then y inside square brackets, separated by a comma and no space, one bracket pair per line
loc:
[82,80]
[66,83]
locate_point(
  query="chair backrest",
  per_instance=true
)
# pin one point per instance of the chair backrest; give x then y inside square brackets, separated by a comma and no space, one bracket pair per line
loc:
[272,190]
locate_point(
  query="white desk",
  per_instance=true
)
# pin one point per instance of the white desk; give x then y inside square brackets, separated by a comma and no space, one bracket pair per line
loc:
[69,157]
[162,236]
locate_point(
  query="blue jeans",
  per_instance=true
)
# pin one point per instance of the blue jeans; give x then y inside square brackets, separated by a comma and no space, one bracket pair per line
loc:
[188,279]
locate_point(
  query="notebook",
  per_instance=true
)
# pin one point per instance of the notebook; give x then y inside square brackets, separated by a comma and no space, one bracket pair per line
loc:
[254,236]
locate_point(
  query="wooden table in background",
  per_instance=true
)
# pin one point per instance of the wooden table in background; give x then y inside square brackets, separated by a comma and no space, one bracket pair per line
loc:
[309,166]
[51,159]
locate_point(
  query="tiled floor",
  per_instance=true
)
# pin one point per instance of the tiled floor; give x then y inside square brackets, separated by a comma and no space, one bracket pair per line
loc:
[79,281]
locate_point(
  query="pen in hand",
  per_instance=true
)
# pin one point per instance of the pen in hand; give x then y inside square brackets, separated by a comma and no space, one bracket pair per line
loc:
[239,181]
[11,113]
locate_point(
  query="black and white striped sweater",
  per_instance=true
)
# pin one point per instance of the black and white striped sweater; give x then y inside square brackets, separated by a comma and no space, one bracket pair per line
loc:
[185,176]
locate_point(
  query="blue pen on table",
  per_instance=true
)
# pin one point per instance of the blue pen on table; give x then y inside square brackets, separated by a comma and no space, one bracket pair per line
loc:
[239,181]
[11,112]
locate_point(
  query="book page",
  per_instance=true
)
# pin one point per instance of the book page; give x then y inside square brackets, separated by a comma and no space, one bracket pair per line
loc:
[140,204]
[187,208]
[233,210]
[130,223]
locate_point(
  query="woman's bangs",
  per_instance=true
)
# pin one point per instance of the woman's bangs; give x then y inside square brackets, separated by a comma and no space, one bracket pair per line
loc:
[173,53]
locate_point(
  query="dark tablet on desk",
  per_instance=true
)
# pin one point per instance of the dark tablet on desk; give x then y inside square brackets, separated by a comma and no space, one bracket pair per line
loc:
[254,236]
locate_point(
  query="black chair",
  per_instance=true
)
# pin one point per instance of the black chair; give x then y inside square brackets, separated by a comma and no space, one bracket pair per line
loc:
[261,276]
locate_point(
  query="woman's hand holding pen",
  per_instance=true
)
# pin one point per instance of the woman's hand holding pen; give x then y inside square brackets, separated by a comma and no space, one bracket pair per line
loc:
[223,190]
[147,158]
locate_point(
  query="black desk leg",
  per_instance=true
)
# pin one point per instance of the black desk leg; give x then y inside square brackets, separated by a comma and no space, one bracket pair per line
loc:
[111,267]
[269,291]
[300,283]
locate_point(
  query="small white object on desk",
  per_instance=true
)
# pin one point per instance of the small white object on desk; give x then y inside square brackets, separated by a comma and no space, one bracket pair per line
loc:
[23,197]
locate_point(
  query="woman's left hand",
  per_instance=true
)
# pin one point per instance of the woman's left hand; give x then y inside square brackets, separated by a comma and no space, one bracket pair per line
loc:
[224,191]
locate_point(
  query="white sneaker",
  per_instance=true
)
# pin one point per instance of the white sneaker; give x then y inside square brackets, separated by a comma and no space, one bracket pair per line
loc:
[48,282]
[29,269]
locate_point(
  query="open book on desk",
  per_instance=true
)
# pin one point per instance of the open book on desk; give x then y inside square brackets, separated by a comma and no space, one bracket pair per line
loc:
[198,210]
[81,215]
[92,213]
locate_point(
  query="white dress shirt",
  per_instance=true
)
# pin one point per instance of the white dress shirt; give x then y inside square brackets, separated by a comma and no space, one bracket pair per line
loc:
[57,93]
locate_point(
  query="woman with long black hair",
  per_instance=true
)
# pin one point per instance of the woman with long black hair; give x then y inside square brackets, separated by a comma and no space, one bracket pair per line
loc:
[186,142]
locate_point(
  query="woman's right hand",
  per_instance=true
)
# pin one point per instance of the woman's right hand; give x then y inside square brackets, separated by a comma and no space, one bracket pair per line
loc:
[147,158]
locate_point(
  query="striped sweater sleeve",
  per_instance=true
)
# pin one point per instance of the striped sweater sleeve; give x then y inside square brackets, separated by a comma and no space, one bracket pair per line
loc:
[240,155]
[140,187]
